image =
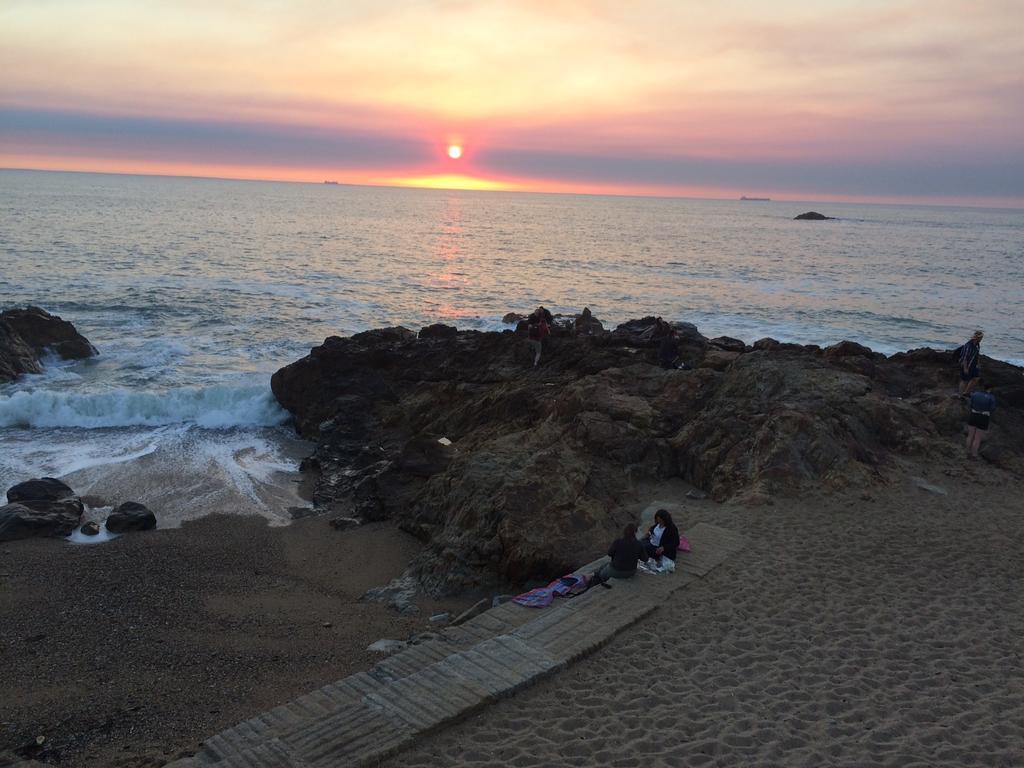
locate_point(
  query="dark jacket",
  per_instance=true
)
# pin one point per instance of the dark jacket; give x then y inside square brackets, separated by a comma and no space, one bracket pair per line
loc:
[625,553]
[669,540]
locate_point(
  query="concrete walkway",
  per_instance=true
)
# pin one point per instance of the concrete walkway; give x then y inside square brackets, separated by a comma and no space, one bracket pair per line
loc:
[365,717]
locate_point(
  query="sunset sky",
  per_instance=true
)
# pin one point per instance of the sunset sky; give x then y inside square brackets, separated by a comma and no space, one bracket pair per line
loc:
[828,100]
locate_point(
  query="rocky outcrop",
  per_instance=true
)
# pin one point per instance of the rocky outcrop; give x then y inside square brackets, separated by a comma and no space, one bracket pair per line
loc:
[542,462]
[26,334]
[41,507]
[131,516]
[812,216]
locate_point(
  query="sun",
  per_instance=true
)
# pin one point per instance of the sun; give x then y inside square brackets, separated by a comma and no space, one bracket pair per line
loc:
[454,151]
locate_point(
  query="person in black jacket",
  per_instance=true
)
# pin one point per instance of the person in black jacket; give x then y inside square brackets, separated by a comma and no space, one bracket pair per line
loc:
[662,537]
[625,553]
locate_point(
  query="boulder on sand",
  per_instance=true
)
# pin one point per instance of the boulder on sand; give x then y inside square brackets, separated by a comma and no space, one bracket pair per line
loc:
[40,507]
[131,516]
[40,489]
[28,519]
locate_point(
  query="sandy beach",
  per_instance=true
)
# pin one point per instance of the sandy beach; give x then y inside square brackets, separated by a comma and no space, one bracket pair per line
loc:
[131,652]
[861,628]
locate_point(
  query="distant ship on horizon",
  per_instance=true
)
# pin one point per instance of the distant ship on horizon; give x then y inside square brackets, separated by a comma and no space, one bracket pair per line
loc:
[756,199]
[330,182]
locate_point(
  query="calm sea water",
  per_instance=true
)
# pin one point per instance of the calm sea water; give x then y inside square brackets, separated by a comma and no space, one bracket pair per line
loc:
[195,291]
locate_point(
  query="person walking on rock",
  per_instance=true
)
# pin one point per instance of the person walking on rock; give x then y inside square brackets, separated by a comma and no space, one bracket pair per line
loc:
[970,355]
[982,404]
[538,328]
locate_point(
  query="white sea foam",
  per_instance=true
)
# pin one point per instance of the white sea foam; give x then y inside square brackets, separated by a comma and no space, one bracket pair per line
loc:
[214,407]
[77,537]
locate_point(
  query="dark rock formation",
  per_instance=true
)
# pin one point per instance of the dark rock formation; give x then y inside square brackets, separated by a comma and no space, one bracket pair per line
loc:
[92,528]
[25,334]
[29,518]
[39,507]
[438,331]
[131,516]
[728,344]
[40,489]
[543,461]
[812,216]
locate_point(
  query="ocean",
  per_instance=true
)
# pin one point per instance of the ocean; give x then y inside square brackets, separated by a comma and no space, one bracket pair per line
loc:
[196,290]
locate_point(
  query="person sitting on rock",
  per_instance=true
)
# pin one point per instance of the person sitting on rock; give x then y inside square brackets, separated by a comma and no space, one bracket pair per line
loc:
[982,404]
[625,552]
[538,328]
[662,537]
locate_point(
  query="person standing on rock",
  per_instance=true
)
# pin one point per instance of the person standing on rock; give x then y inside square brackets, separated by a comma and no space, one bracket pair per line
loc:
[538,326]
[982,404]
[970,355]
[668,353]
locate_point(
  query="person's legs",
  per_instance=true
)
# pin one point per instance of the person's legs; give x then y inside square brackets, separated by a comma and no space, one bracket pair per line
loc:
[970,438]
[976,445]
[536,351]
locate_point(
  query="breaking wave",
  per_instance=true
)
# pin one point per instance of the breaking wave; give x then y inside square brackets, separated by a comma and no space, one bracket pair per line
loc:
[214,407]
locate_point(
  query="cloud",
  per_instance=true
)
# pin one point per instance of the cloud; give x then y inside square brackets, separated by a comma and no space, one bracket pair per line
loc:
[221,142]
[843,89]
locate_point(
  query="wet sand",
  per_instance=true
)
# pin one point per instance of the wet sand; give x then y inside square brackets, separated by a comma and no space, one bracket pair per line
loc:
[863,628]
[129,653]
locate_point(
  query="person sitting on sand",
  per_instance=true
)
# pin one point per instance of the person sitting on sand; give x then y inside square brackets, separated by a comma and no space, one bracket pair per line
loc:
[982,404]
[538,328]
[625,552]
[662,537]
[970,354]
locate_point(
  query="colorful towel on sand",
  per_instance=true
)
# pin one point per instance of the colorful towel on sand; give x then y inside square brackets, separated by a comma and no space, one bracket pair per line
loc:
[542,597]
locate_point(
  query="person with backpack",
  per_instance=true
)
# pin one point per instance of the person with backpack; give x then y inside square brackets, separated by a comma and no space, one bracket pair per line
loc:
[982,404]
[968,357]
[538,326]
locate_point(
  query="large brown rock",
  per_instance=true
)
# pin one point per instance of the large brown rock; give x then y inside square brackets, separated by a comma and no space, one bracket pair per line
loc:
[39,489]
[26,334]
[544,460]
[31,518]
[131,516]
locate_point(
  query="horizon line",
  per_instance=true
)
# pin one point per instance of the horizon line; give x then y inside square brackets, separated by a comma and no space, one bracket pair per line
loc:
[655,196]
